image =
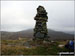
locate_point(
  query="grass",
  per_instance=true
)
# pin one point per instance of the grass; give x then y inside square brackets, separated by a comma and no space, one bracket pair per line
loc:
[43,49]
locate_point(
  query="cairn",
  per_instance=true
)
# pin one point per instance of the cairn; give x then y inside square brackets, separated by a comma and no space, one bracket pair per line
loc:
[40,30]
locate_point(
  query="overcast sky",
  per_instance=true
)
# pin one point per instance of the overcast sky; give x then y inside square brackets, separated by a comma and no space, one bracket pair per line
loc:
[19,15]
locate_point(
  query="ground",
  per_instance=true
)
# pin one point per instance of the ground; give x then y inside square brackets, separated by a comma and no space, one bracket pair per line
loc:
[30,47]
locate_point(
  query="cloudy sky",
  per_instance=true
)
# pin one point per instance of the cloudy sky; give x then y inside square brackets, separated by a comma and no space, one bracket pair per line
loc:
[19,15]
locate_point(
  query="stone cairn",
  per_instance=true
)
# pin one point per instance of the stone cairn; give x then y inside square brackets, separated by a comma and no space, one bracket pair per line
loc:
[40,30]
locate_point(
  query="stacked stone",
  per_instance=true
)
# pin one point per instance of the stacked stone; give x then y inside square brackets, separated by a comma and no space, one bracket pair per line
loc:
[40,30]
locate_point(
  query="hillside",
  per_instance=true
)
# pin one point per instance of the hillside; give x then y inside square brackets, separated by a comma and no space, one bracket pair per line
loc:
[54,35]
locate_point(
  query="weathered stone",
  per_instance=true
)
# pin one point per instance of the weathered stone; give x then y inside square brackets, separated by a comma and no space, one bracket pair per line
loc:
[40,30]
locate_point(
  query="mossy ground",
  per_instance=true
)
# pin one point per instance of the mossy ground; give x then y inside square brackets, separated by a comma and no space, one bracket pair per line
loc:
[42,49]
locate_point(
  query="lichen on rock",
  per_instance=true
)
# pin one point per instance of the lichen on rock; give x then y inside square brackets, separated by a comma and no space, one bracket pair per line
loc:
[40,30]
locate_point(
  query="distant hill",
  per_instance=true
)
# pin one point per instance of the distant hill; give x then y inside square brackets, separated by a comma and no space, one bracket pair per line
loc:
[70,32]
[54,35]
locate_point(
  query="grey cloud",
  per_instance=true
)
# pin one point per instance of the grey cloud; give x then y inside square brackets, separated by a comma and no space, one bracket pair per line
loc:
[19,15]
